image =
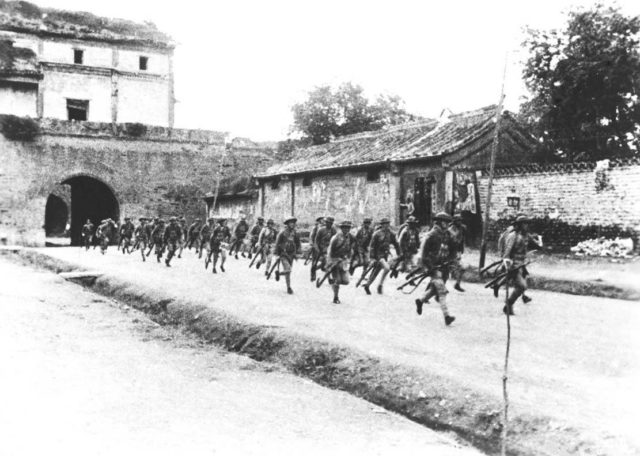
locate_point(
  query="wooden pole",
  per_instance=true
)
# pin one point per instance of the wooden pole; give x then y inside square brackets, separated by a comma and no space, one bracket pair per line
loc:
[215,196]
[492,162]
[505,376]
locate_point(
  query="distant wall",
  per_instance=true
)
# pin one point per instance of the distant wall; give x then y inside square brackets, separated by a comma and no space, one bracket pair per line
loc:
[570,202]
[18,99]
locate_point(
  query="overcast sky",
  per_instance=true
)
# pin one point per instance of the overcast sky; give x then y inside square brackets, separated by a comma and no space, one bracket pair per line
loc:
[240,65]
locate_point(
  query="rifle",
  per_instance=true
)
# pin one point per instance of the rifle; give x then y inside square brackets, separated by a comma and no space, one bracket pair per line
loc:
[497,279]
[369,269]
[258,253]
[487,268]
[394,268]
[327,274]
[310,255]
[420,278]
[275,264]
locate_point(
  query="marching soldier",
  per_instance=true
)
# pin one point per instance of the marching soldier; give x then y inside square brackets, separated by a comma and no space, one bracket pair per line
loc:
[105,232]
[434,257]
[142,236]
[239,235]
[513,260]
[183,237]
[321,244]
[339,253]
[87,234]
[313,253]
[266,243]
[287,246]
[126,233]
[205,237]
[192,235]
[157,237]
[219,235]
[361,250]
[171,238]
[457,233]
[379,250]
[409,243]
[255,234]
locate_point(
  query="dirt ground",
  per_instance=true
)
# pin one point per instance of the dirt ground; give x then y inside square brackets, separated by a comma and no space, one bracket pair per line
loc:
[83,374]
[574,358]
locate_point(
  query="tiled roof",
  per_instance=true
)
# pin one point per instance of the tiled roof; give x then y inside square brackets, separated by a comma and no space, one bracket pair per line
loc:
[25,17]
[17,61]
[401,143]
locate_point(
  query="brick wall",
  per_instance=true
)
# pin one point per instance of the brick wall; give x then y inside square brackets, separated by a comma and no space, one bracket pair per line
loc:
[148,177]
[570,202]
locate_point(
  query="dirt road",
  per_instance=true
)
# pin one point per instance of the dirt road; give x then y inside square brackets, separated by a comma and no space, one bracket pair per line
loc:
[84,375]
[573,357]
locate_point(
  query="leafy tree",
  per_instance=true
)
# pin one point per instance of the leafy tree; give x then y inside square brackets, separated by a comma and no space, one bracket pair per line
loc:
[585,86]
[328,113]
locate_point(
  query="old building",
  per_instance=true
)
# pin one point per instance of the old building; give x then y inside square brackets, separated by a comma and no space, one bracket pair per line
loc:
[373,174]
[77,66]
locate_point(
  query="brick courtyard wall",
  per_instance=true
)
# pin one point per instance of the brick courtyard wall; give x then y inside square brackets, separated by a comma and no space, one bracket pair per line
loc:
[165,172]
[568,202]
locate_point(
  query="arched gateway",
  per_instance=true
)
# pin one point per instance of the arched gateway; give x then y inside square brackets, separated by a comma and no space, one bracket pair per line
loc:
[91,199]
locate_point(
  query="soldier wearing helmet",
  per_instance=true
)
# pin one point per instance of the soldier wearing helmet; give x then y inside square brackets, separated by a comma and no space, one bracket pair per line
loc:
[379,250]
[340,251]
[434,256]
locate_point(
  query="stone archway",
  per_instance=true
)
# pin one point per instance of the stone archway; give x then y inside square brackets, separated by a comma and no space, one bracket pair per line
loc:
[56,216]
[91,198]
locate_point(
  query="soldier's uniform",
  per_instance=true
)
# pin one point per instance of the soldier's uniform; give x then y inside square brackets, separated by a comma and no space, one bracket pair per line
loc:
[157,237]
[239,235]
[321,244]
[142,236]
[313,254]
[126,233]
[379,250]
[171,238]
[340,251]
[87,234]
[514,256]
[457,233]
[361,251]
[255,234]
[205,236]
[192,235]
[105,233]
[409,244]
[183,237]
[434,254]
[219,235]
[266,241]
[287,246]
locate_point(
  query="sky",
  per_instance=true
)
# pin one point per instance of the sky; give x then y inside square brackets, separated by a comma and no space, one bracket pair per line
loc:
[241,64]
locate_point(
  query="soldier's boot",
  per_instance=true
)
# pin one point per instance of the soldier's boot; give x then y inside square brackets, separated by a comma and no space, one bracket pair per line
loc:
[379,289]
[366,288]
[313,274]
[287,278]
[336,289]
[458,287]
[222,266]
[213,270]
[448,319]
[526,299]
[419,304]
[277,276]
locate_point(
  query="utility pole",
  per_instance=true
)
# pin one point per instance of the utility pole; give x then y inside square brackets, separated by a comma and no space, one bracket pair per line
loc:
[215,196]
[492,163]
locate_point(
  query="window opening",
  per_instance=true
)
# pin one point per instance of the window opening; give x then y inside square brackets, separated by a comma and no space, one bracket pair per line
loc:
[77,109]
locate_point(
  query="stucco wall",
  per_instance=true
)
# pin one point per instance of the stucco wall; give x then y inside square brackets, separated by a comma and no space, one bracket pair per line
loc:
[19,100]
[58,86]
[143,100]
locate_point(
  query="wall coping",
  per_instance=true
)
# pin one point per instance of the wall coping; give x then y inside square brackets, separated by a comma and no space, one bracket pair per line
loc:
[57,127]
[546,168]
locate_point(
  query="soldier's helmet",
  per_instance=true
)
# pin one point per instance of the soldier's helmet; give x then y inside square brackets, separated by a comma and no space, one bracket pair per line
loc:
[222,220]
[329,219]
[457,217]
[412,220]
[260,219]
[384,221]
[367,221]
[127,219]
[172,219]
[196,220]
[319,219]
[522,219]
[270,222]
[345,224]
[142,219]
[211,219]
[442,217]
[290,219]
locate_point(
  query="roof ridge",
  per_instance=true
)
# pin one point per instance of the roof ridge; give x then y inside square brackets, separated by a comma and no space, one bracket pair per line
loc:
[384,130]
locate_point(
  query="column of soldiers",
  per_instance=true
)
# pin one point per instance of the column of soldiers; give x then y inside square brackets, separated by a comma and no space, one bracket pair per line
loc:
[335,253]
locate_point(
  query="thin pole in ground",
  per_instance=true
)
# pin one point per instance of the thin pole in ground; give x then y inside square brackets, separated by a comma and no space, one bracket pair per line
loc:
[492,163]
[505,377]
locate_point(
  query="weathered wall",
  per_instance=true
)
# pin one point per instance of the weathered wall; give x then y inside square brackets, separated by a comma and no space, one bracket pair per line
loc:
[18,99]
[143,100]
[60,85]
[152,175]
[233,208]
[574,200]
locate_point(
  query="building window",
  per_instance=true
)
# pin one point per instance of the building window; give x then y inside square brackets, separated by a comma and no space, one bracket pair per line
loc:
[306,181]
[373,175]
[143,63]
[78,56]
[77,109]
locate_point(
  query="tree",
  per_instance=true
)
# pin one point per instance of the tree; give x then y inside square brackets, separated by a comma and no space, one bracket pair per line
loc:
[585,86]
[328,113]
